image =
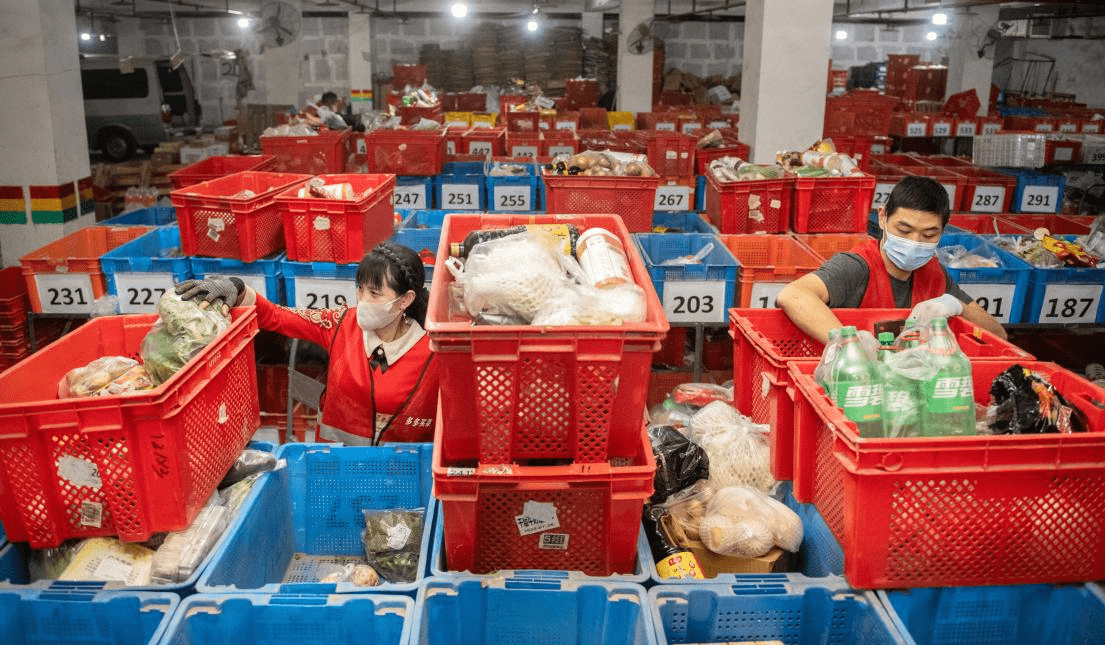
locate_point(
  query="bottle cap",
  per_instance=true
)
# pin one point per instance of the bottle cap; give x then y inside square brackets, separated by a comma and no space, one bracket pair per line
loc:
[847,332]
[886,338]
[455,249]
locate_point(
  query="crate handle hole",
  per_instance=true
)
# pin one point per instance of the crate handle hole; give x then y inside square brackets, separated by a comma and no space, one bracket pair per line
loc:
[892,462]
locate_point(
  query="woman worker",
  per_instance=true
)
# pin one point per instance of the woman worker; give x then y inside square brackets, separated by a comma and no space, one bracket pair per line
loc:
[382,381]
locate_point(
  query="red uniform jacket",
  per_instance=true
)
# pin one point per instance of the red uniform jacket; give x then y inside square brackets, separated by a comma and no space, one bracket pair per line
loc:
[928,282]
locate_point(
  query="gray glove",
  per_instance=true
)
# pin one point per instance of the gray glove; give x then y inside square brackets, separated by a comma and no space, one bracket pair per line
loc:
[213,290]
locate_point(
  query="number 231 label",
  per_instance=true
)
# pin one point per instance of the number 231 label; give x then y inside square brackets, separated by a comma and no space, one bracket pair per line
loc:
[691,301]
[69,293]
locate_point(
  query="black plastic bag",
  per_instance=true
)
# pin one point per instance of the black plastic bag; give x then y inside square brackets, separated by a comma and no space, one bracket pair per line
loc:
[680,462]
[1023,402]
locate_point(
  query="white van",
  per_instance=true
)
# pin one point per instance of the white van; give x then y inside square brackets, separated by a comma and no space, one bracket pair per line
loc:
[123,110]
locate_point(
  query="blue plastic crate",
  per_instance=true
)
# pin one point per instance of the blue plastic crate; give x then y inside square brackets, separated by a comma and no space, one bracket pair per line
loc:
[700,193]
[263,275]
[514,194]
[796,614]
[309,514]
[1036,192]
[819,559]
[1003,290]
[247,619]
[509,609]
[1011,615]
[1063,295]
[463,168]
[646,567]
[144,269]
[682,222]
[153,216]
[63,618]
[413,193]
[461,192]
[719,267]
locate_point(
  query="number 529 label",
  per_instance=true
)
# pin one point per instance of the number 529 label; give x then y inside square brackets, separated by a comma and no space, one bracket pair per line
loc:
[690,301]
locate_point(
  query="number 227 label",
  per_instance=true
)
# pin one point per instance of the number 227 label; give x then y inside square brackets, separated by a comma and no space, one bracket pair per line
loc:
[695,301]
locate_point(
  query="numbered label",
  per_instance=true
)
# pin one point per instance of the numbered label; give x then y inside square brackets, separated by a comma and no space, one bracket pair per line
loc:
[622,126]
[523,152]
[1064,153]
[1070,303]
[1068,127]
[456,124]
[64,293]
[878,148]
[561,150]
[479,147]
[996,299]
[665,127]
[714,125]
[362,148]
[694,301]
[317,293]
[672,198]
[463,197]
[941,129]
[409,197]
[1040,199]
[1092,127]
[565,125]
[512,198]
[988,199]
[139,292]
[481,124]
[1044,127]
[764,294]
[450,147]
[991,128]
[691,128]
[1095,155]
[965,129]
[915,129]
[882,194]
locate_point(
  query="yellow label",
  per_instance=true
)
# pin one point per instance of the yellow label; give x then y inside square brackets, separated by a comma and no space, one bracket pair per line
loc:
[680,565]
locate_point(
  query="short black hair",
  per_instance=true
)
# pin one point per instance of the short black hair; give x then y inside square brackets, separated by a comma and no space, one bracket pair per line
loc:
[328,98]
[400,268]
[920,194]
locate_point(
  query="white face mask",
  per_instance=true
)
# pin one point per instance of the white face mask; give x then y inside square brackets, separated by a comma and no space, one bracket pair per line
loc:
[375,315]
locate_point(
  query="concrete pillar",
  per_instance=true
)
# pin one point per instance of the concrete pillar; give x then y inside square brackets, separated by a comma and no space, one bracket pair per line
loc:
[634,70]
[45,183]
[966,69]
[281,70]
[786,55]
[360,61]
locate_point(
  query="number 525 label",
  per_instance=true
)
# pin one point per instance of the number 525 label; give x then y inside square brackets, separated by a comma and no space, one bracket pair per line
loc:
[691,301]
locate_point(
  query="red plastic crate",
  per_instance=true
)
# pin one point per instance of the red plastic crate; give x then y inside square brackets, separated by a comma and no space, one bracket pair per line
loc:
[759,206]
[858,113]
[326,152]
[557,142]
[767,260]
[581,92]
[942,126]
[862,148]
[403,75]
[990,124]
[522,121]
[986,191]
[1062,151]
[484,141]
[412,114]
[471,102]
[765,341]
[1030,123]
[405,152]
[673,349]
[1056,224]
[563,121]
[454,137]
[76,253]
[515,392]
[832,204]
[218,166]
[593,118]
[703,156]
[953,182]
[14,300]
[663,121]
[214,222]
[632,198]
[598,508]
[337,230]
[910,124]
[956,511]
[670,154]
[144,462]
[1091,126]
[826,245]
[523,145]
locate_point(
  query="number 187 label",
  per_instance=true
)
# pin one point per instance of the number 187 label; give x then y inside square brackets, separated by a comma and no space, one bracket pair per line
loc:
[695,301]
[1070,303]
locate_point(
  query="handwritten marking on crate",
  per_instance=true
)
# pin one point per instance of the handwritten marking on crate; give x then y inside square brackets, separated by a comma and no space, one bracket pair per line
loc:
[988,199]
[1039,199]
[996,299]
[512,198]
[322,293]
[672,198]
[409,196]
[67,293]
[537,517]
[1070,303]
[139,292]
[764,294]
[695,301]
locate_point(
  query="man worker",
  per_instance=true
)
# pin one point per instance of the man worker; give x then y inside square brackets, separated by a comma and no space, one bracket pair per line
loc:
[898,271]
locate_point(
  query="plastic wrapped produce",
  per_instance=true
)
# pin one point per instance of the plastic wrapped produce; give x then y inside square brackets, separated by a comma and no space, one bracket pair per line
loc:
[736,169]
[90,379]
[361,575]
[680,514]
[958,256]
[592,163]
[135,379]
[182,551]
[184,329]
[392,539]
[250,462]
[737,448]
[745,522]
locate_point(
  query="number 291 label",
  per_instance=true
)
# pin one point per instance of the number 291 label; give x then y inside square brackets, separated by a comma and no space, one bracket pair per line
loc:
[691,301]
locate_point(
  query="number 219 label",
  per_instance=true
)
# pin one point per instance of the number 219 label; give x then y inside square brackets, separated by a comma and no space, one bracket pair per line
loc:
[695,301]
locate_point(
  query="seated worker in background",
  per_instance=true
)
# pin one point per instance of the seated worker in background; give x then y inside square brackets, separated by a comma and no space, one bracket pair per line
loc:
[382,380]
[898,271]
[327,112]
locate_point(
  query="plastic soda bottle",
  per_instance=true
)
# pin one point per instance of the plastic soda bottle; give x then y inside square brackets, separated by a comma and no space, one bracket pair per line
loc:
[901,408]
[823,373]
[857,385]
[949,402]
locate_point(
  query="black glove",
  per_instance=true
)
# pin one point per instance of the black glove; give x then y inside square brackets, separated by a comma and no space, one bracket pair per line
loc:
[215,289]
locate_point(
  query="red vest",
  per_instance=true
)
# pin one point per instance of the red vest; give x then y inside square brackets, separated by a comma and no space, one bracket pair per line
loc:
[928,281]
[352,391]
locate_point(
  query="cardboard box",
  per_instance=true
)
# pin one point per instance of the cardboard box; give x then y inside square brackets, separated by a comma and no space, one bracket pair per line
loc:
[776,560]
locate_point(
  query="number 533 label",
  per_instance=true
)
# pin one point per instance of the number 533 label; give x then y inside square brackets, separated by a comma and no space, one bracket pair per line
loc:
[691,301]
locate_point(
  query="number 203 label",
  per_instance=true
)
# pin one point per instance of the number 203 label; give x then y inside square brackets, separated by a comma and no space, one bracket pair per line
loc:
[691,301]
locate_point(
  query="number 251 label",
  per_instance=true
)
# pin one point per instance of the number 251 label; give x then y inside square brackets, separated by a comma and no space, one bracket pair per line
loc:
[694,301]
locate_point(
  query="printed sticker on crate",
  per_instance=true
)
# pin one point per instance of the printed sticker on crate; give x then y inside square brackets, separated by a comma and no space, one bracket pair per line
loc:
[64,293]
[411,196]
[673,198]
[1039,199]
[139,292]
[764,294]
[322,293]
[995,299]
[536,517]
[512,197]
[693,301]
[988,199]
[1070,303]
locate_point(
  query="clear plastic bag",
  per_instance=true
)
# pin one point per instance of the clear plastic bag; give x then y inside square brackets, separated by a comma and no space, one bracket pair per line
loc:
[392,539]
[182,551]
[680,514]
[748,523]
[93,377]
[182,331]
[360,575]
[671,413]
[737,448]
[958,256]
[250,462]
[696,258]
[702,394]
[105,305]
[578,304]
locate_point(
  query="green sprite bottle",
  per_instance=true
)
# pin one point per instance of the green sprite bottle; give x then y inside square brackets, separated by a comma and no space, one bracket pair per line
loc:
[857,385]
[949,402]
[901,402]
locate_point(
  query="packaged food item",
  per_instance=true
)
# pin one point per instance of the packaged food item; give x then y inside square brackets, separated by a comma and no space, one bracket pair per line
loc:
[392,539]
[568,233]
[183,330]
[182,551]
[1070,253]
[135,379]
[93,377]
[1025,402]
[748,523]
[109,560]
[603,259]
[316,187]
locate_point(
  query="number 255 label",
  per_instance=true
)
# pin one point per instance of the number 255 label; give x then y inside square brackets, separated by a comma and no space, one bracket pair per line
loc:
[693,301]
